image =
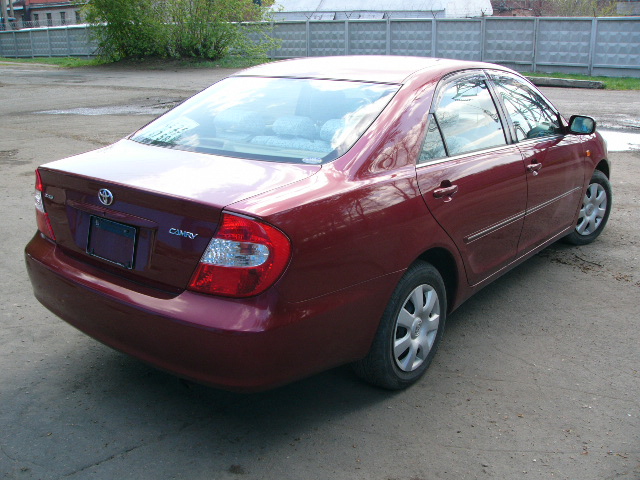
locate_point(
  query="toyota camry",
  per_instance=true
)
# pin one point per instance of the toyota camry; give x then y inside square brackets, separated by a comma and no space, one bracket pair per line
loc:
[309,213]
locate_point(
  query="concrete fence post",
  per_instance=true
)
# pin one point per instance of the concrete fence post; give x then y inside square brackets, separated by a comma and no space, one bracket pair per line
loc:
[272,29]
[31,44]
[483,36]
[68,42]
[592,43]
[347,46]
[388,50]
[434,37]
[536,31]
[308,35]
[49,40]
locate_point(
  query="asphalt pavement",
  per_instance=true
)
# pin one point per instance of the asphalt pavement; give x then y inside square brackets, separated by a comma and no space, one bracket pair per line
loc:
[538,375]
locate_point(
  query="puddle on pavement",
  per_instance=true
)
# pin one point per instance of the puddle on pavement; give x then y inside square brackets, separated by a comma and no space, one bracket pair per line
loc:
[8,157]
[621,141]
[115,110]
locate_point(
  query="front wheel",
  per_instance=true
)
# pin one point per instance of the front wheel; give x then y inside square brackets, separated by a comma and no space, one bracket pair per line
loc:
[409,332]
[594,212]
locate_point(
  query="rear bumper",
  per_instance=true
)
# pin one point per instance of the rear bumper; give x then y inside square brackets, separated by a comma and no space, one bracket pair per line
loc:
[236,344]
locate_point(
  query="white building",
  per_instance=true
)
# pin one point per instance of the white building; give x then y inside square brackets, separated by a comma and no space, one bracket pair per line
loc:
[378,9]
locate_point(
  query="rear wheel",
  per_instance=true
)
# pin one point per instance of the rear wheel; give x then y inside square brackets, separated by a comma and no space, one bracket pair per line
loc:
[409,332]
[594,212]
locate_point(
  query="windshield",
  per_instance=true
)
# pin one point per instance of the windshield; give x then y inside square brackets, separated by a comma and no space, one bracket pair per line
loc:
[275,119]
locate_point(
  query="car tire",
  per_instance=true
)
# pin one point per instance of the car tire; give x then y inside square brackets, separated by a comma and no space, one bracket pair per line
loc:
[594,211]
[407,337]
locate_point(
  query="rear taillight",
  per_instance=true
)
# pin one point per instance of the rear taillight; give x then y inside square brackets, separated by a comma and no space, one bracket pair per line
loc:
[42,218]
[243,259]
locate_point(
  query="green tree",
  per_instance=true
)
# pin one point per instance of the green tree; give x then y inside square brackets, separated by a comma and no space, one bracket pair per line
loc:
[209,29]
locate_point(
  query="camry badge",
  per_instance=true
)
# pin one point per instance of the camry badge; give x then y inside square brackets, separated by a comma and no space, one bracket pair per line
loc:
[182,233]
[105,196]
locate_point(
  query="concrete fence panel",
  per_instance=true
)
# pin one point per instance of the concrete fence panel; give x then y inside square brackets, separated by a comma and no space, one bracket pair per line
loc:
[460,39]
[80,42]
[510,42]
[411,37]
[294,39]
[327,38]
[22,44]
[564,44]
[67,41]
[40,42]
[367,38]
[617,47]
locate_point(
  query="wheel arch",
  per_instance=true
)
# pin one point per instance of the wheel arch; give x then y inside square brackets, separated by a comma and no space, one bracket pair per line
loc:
[604,167]
[446,265]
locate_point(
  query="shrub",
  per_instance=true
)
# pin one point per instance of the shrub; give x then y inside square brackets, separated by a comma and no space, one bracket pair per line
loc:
[209,29]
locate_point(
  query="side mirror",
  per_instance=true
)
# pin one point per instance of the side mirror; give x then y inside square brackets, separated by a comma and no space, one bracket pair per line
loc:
[581,125]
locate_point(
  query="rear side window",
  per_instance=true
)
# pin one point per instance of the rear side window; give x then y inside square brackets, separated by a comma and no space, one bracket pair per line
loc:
[275,119]
[531,116]
[433,146]
[468,118]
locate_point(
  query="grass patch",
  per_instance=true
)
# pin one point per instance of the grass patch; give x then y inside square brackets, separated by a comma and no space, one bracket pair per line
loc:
[610,83]
[67,62]
[144,63]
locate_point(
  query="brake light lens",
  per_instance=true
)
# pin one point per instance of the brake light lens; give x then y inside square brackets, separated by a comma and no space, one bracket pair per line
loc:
[42,217]
[244,258]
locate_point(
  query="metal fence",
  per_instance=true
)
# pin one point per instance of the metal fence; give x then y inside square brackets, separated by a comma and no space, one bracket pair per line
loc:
[593,46]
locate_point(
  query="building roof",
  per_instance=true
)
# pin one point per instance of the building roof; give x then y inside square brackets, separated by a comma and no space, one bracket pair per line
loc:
[451,8]
[360,5]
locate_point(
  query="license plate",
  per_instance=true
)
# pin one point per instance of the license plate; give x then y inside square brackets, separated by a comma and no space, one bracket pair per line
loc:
[112,241]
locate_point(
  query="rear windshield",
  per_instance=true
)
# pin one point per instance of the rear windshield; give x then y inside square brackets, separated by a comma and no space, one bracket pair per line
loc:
[274,119]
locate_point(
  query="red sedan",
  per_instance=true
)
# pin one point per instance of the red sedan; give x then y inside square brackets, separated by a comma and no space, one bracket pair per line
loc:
[309,213]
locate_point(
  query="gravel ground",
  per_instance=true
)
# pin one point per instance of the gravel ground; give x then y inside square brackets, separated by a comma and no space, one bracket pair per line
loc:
[537,377]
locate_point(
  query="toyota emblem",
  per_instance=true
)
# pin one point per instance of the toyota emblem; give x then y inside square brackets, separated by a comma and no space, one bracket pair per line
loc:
[105,196]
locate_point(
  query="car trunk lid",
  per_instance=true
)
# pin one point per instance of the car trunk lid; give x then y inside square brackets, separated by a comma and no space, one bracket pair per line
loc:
[147,213]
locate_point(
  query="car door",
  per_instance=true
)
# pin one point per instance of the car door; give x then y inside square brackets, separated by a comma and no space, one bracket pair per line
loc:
[471,179]
[554,161]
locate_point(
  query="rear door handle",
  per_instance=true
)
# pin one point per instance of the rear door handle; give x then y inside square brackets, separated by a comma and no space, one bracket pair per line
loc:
[445,192]
[533,168]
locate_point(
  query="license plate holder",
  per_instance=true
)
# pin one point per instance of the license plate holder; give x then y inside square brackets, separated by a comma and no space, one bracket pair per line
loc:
[112,241]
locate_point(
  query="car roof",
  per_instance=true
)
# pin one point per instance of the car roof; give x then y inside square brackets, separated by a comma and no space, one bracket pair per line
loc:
[369,68]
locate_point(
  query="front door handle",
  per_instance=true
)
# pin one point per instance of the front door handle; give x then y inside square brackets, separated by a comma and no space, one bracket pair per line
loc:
[533,168]
[446,192]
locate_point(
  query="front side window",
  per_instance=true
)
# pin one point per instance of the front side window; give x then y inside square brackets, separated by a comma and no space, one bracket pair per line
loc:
[531,116]
[468,118]
[274,119]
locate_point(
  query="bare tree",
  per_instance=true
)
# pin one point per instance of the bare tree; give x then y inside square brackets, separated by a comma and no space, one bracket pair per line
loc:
[581,8]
